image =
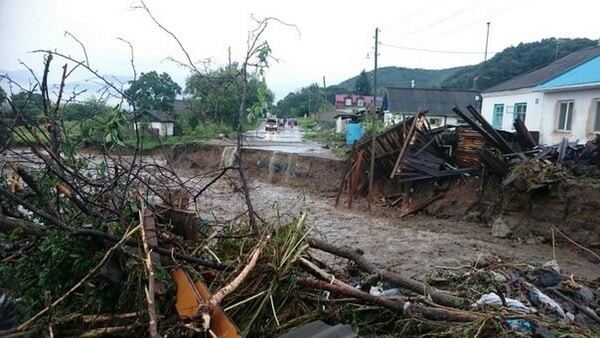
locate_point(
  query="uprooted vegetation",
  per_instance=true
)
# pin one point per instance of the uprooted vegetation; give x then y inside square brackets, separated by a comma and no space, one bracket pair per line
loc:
[112,244]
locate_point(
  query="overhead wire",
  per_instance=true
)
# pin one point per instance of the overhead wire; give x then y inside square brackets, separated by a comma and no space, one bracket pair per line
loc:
[439,51]
[444,19]
[472,23]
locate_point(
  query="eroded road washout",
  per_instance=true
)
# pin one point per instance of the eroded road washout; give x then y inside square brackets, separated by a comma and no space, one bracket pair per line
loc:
[415,245]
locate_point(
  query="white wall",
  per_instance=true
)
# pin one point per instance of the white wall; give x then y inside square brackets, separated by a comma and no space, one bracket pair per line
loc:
[582,122]
[533,116]
[390,118]
[164,128]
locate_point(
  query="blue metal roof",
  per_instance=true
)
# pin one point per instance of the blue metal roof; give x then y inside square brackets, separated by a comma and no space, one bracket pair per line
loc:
[585,74]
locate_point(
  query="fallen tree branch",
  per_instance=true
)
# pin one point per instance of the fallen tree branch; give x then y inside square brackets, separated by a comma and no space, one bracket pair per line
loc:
[314,270]
[405,308]
[401,280]
[577,244]
[92,272]
[152,322]
[229,288]
[103,235]
[8,224]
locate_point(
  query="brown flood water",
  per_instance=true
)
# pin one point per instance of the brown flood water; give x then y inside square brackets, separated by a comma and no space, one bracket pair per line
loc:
[415,245]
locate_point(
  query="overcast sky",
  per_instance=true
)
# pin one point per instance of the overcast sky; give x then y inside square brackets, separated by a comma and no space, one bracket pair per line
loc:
[336,36]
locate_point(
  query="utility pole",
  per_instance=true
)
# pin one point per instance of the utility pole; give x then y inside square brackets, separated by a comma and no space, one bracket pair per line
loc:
[324,85]
[373,116]
[309,92]
[229,55]
[487,38]
[556,49]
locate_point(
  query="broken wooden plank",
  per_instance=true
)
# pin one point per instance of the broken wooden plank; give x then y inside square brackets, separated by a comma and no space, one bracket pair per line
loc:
[192,296]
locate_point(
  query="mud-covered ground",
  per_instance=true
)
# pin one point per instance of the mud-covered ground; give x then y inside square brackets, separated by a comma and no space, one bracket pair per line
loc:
[415,244]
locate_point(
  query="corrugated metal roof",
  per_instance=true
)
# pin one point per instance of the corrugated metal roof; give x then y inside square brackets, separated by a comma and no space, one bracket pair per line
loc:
[439,102]
[156,116]
[548,72]
[585,74]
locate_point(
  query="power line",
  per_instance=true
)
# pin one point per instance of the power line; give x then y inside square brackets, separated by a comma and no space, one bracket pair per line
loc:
[472,23]
[438,51]
[435,23]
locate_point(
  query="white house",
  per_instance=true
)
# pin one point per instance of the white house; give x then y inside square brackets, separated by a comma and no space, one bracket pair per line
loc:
[401,103]
[160,121]
[559,100]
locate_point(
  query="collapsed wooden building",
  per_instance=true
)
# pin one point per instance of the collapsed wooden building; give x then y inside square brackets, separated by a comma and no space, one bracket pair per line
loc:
[412,151]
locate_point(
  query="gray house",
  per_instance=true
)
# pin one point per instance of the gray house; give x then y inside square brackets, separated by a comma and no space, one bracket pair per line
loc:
[160,121]
[401,103]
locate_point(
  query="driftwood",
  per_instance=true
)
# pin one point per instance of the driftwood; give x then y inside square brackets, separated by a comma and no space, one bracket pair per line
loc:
[401,280]
[406,308]
[217,298]
[147,227]
[314,270]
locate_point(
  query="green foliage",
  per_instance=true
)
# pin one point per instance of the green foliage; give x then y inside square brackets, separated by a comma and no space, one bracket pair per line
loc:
[363,84]
[154,91]
[513,61]
[308,100]
[260,106]
[399,77]
[216,95]
[30,105]
[79,111]
[2,96]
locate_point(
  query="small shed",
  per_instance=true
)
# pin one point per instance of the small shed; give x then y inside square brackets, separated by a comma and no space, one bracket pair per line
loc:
[161,122]
[342,118]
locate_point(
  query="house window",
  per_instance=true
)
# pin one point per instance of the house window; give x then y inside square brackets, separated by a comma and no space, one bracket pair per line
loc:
[497,118]
[348,101]
[520,111]
[360,102]
[597,120]
[565,115]
[435,121]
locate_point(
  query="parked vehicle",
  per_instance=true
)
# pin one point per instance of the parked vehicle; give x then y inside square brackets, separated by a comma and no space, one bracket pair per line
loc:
[271,125]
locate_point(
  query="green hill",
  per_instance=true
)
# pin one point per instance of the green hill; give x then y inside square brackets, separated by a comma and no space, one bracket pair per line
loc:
[513,61]
[509,63]
[402,77]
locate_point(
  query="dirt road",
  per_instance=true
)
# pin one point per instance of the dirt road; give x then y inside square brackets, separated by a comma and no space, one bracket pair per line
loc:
[415,244]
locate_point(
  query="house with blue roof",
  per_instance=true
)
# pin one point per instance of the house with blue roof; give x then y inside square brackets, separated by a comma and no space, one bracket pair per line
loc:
[559,100]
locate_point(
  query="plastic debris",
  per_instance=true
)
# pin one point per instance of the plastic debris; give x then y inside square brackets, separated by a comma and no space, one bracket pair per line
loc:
[522,327]
[541,300]
[549,278]
[493,299]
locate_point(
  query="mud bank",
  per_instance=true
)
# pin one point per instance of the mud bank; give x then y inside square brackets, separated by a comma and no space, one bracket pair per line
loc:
[315,173]
[571,205]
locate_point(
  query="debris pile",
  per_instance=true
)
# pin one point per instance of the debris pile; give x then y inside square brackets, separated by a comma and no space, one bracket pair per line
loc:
[412,152]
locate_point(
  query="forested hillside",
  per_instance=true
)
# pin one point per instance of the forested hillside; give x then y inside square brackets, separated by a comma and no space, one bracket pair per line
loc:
[402,77]
[513,61]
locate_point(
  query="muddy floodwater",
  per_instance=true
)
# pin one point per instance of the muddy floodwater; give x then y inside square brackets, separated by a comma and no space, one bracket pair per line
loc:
[415,245]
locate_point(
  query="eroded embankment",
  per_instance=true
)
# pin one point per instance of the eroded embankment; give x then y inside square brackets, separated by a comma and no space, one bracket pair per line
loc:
[571,205]
[295,170]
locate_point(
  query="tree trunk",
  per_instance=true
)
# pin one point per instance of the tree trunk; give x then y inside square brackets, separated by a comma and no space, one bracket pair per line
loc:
[402,281]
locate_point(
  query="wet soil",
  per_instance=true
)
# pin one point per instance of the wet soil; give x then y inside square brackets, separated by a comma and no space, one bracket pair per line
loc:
[415,244]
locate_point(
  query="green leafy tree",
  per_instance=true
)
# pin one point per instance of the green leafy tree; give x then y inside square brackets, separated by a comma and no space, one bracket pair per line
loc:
[28,104]
[311,99]
[79,111]
[363,84]
[216,95]
[154,91]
